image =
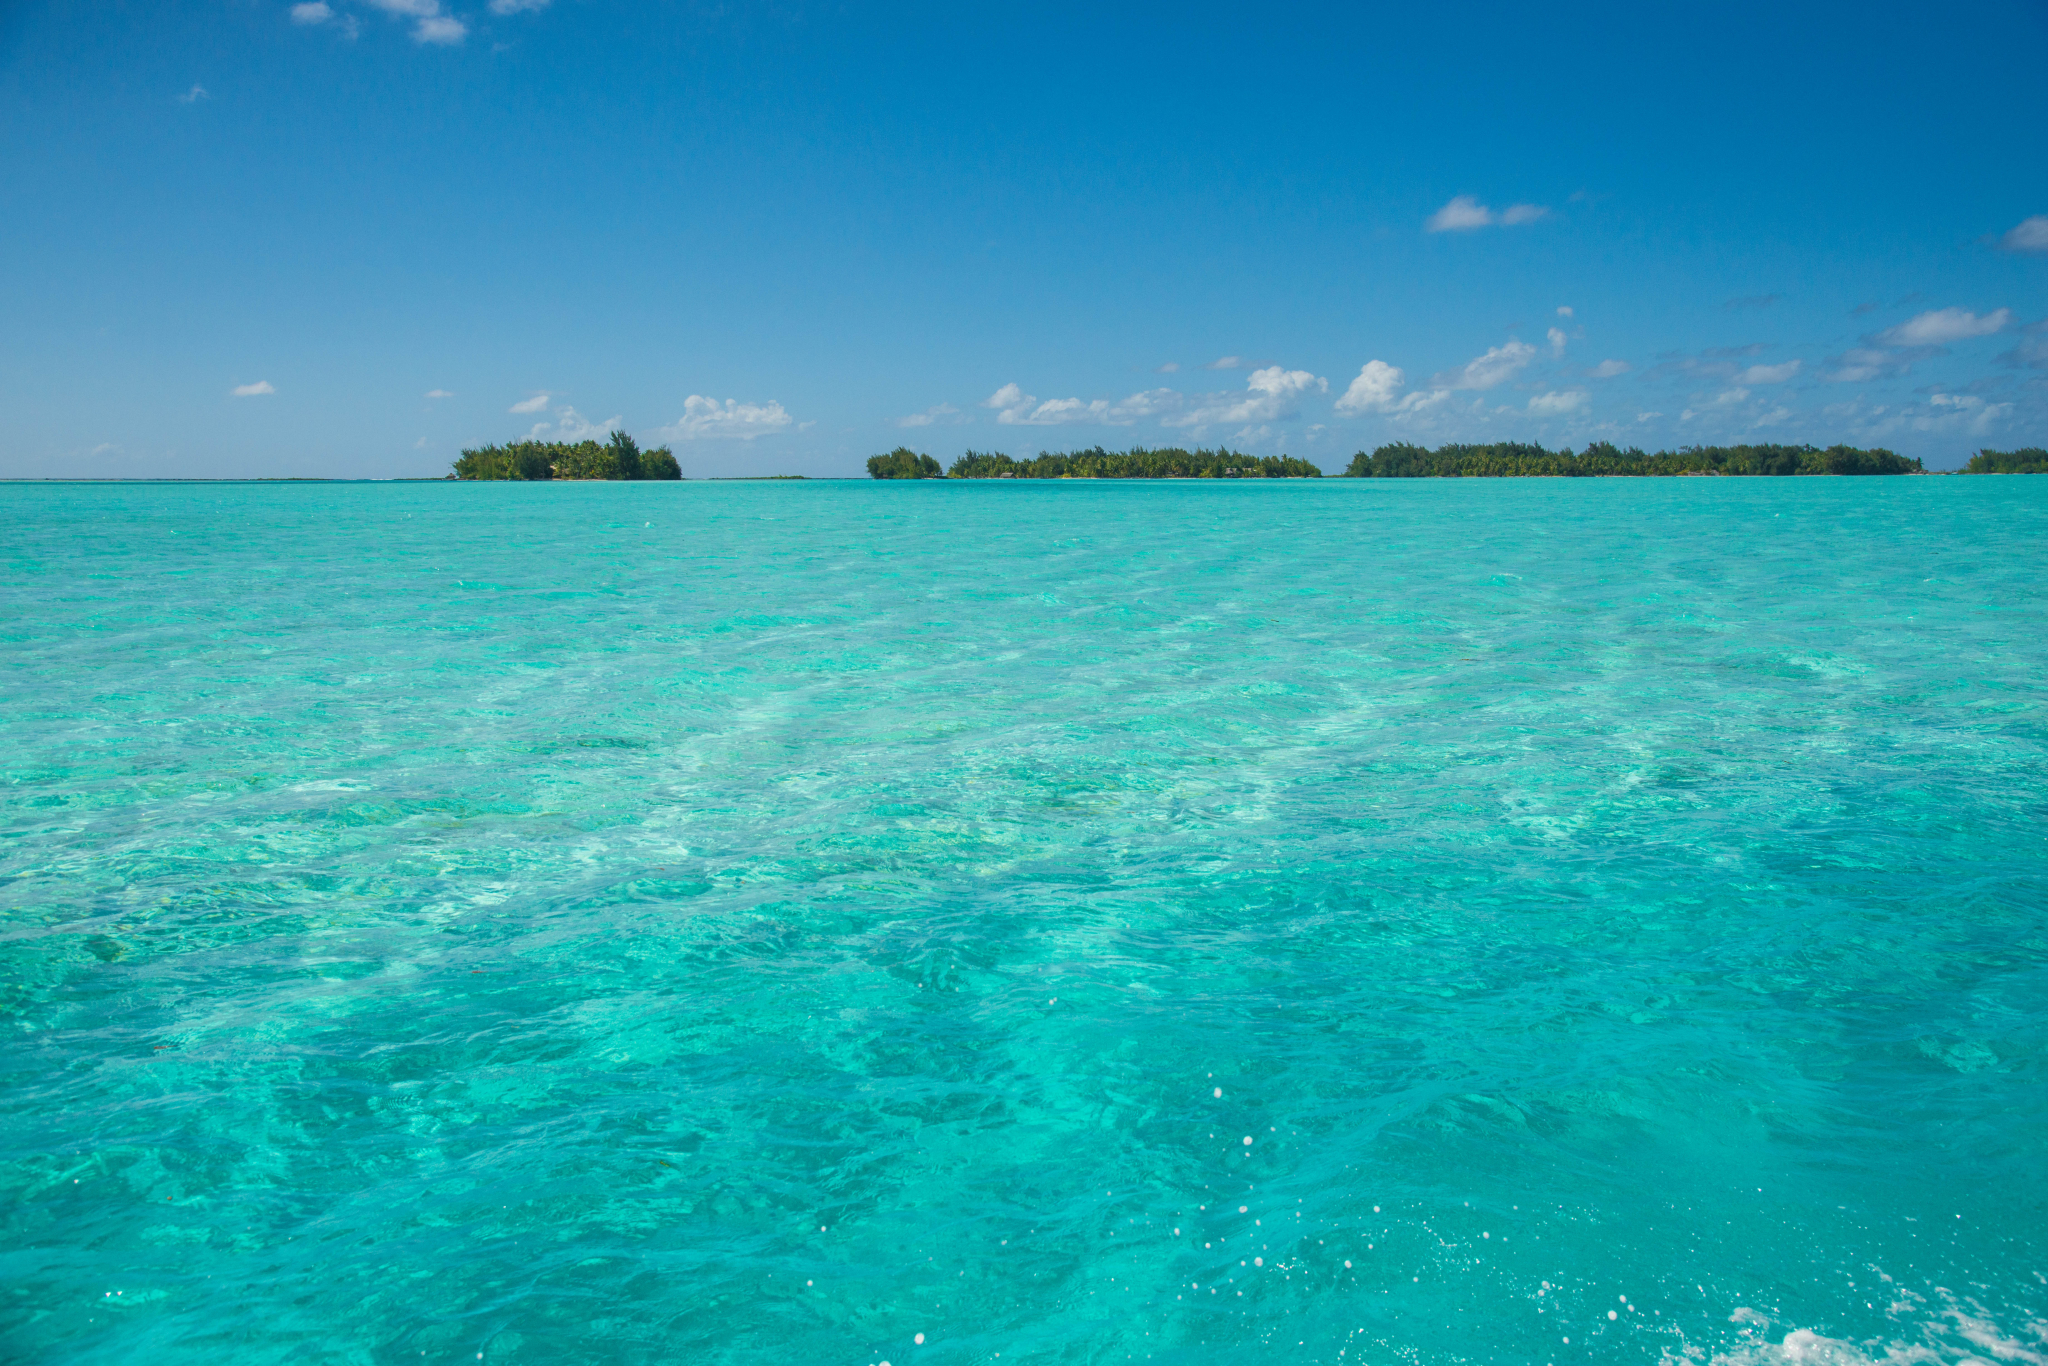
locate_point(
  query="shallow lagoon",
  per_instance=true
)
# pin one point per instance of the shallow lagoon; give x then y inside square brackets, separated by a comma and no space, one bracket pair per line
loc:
[768,922]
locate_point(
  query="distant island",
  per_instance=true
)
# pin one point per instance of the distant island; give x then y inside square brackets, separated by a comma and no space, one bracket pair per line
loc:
[620,457]
[1514,459]
[2025,460]
[1095,463]
[1401,460]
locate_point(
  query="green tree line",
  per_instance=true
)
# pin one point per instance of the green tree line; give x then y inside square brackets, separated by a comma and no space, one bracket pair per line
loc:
[1096,463]
[618,458]
[1514,459]
[2025,460]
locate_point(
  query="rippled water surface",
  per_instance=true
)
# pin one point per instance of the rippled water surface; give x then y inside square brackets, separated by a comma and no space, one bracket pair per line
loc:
[1503,921]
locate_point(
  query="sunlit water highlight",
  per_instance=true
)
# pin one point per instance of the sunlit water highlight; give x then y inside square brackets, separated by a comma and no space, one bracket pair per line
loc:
[1529,921]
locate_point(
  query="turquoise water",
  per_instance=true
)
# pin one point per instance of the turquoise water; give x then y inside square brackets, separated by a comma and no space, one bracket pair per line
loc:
[1492,921]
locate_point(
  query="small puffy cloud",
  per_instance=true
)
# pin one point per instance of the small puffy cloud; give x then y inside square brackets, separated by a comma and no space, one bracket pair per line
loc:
[1729,397]
[1557,340]
[431,25]
[1940,326]
[1172,367]
[1270,394]
[928,416]
[1374,390]
[570,425]
[442,28]
[312,12]
[1648,417]
[1557,404]
[2030,236]
[1462,214]
[504,7]
[1226,363]
[439,393]
[706,418]
[529,405]
[1608,369]
[1861,363]
[194,95]
[1465,213]
[1015,408]
[261,386]
[1969,411]
[1500,363]
[1769,374]
[1377,389]
[1564,310]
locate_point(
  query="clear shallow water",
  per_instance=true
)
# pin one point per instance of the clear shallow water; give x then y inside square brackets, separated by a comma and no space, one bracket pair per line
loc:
[764,923]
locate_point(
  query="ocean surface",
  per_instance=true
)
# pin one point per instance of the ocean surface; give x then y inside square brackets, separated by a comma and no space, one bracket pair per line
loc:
[937,923]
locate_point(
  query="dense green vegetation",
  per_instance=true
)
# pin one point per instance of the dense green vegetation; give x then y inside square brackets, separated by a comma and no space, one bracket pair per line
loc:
[1511,459]
[618,458]
[1096,463]
[2025,460]
[904,463]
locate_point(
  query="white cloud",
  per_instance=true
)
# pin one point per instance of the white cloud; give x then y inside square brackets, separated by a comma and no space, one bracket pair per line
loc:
[1553,404]
[433,26]
[1500,363]
[1557,340]
[1373,390]
[2029,236]
[502,7]
[1608,369]
[1460,215]
[312,12]
[569,425]
[1862,363]
[928,416]
[1973,412]
[1015,408]
[441,28]
[529,405]
[1170,368]
[261,386]
[705,418]
[1769,374]
[1645,417]
[1564,310]
[1465,213]
[1939,326]
[1226,363]
[194,95]
[439,393]
[1729,396]
[1269,394]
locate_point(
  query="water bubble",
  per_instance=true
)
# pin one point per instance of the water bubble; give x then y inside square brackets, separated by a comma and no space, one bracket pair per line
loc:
[1241,1209]
[920,1339]
[1219,1093]
[1247,1140]
[1347,1266]
[1258,1261]
[1612,1315]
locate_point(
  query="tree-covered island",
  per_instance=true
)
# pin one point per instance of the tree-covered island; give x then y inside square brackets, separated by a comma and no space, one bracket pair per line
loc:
[1095,463]
[620,457]
[1514,459]
[2025,460]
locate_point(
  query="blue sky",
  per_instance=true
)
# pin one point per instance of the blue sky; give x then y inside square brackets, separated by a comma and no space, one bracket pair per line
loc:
[351,237]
